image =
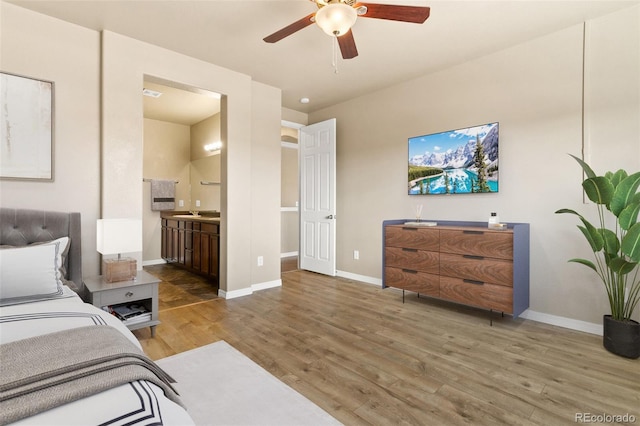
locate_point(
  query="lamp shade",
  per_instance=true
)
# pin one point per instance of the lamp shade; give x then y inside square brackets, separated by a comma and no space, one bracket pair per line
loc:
[115,236]
[336,19]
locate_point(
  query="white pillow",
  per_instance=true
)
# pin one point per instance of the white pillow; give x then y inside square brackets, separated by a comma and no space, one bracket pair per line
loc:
[61,259]
[30,272]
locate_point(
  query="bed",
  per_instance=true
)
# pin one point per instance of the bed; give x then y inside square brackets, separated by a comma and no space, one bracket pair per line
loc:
[66,362]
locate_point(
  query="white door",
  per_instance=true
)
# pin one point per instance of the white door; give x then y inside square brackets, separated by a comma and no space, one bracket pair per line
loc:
[318,197]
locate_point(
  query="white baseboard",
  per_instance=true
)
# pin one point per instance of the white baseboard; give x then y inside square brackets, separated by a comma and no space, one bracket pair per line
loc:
[573,324]
[362,278]
[559,321]
[153,262]
[266,285]
[289,254]
[249,290]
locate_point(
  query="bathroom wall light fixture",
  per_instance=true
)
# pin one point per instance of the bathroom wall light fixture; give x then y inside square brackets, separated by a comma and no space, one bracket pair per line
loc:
[214,146]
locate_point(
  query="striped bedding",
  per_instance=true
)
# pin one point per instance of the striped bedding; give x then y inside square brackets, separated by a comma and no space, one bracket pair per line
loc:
[135,403]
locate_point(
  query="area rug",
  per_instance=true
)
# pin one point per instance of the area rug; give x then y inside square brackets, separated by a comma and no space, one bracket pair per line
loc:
[221,386]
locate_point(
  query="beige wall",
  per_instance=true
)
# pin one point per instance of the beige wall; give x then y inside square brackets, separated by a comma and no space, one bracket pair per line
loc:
[535,91]
[125,63]
[166,156]
[264,168]
[37,46]
[205,166]
[205,132]
[99,140]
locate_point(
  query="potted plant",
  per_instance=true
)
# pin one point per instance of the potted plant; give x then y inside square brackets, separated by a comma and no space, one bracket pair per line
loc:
[615,241]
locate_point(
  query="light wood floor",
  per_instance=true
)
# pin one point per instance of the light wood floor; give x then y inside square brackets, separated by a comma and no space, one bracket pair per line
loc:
[366,358]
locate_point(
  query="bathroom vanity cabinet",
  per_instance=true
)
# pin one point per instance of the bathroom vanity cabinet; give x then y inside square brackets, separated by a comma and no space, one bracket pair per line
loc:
[193,243]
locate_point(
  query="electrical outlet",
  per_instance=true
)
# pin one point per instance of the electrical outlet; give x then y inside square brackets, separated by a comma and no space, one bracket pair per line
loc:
[197,203]
[260,260]
[356,254]
[180,203]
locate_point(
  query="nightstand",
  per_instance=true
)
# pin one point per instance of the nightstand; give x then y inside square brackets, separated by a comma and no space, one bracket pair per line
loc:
[143,289]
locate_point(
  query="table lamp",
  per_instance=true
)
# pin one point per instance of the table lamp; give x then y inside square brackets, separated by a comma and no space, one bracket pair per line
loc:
[117,236]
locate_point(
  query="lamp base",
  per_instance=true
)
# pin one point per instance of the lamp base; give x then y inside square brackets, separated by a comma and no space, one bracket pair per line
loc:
[114,270]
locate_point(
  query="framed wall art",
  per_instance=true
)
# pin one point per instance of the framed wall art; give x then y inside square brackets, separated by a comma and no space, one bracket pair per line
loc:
[26,128]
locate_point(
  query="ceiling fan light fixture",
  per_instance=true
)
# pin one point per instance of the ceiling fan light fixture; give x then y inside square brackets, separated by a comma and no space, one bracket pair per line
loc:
[336,19]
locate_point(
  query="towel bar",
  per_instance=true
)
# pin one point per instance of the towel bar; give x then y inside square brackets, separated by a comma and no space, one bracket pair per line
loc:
[149,180]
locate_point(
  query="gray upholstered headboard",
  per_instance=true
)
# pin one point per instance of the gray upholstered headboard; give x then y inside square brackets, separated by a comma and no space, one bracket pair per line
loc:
[20,227]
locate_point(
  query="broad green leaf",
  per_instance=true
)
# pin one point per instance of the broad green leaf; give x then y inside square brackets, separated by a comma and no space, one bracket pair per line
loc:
[599,189]
[594,238]
[585,167]
[611,242]
[616,177]
[631,243]
[585,262]
[620,266]
[629,216]
[624,193]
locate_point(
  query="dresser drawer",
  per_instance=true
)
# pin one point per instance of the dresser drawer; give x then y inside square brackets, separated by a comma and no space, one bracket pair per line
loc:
[408,237]
[477,268]
[122,295]
[411,280]
[484,295]
[419,260]
[498,244]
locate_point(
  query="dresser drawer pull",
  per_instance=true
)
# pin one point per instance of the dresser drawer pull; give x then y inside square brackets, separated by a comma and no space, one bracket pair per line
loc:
[474,282]
[407,228]
[412,250]
[472,232]
[128,294]
[409,271]
[471,256]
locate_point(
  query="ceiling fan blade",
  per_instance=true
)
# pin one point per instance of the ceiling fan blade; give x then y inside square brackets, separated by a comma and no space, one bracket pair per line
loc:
[415,14]
[290,29]
[347,45]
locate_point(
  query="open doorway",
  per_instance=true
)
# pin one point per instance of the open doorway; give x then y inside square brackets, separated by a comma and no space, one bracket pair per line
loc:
[182,140]
[289,193]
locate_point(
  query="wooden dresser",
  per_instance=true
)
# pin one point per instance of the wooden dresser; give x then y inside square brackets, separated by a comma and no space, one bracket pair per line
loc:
[463,262]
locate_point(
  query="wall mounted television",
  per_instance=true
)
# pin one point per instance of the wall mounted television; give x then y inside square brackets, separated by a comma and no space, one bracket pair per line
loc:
[461,161]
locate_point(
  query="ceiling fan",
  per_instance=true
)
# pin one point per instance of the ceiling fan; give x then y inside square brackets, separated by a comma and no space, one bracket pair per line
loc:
[336,17]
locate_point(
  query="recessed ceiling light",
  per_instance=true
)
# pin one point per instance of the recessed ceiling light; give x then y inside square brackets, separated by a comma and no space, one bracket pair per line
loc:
[304,100]
[151,93]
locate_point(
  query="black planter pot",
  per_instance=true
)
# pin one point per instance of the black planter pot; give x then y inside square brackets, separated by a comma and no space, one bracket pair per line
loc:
[621,337]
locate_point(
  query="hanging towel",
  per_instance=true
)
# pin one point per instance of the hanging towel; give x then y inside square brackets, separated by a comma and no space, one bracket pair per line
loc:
[163,195]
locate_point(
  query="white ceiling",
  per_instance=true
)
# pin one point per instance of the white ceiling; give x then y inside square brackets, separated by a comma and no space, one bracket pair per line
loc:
[179,105]
[229,33]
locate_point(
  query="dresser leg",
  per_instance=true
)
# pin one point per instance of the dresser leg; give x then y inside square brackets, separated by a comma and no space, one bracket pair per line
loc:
[403,295]
[153,331]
